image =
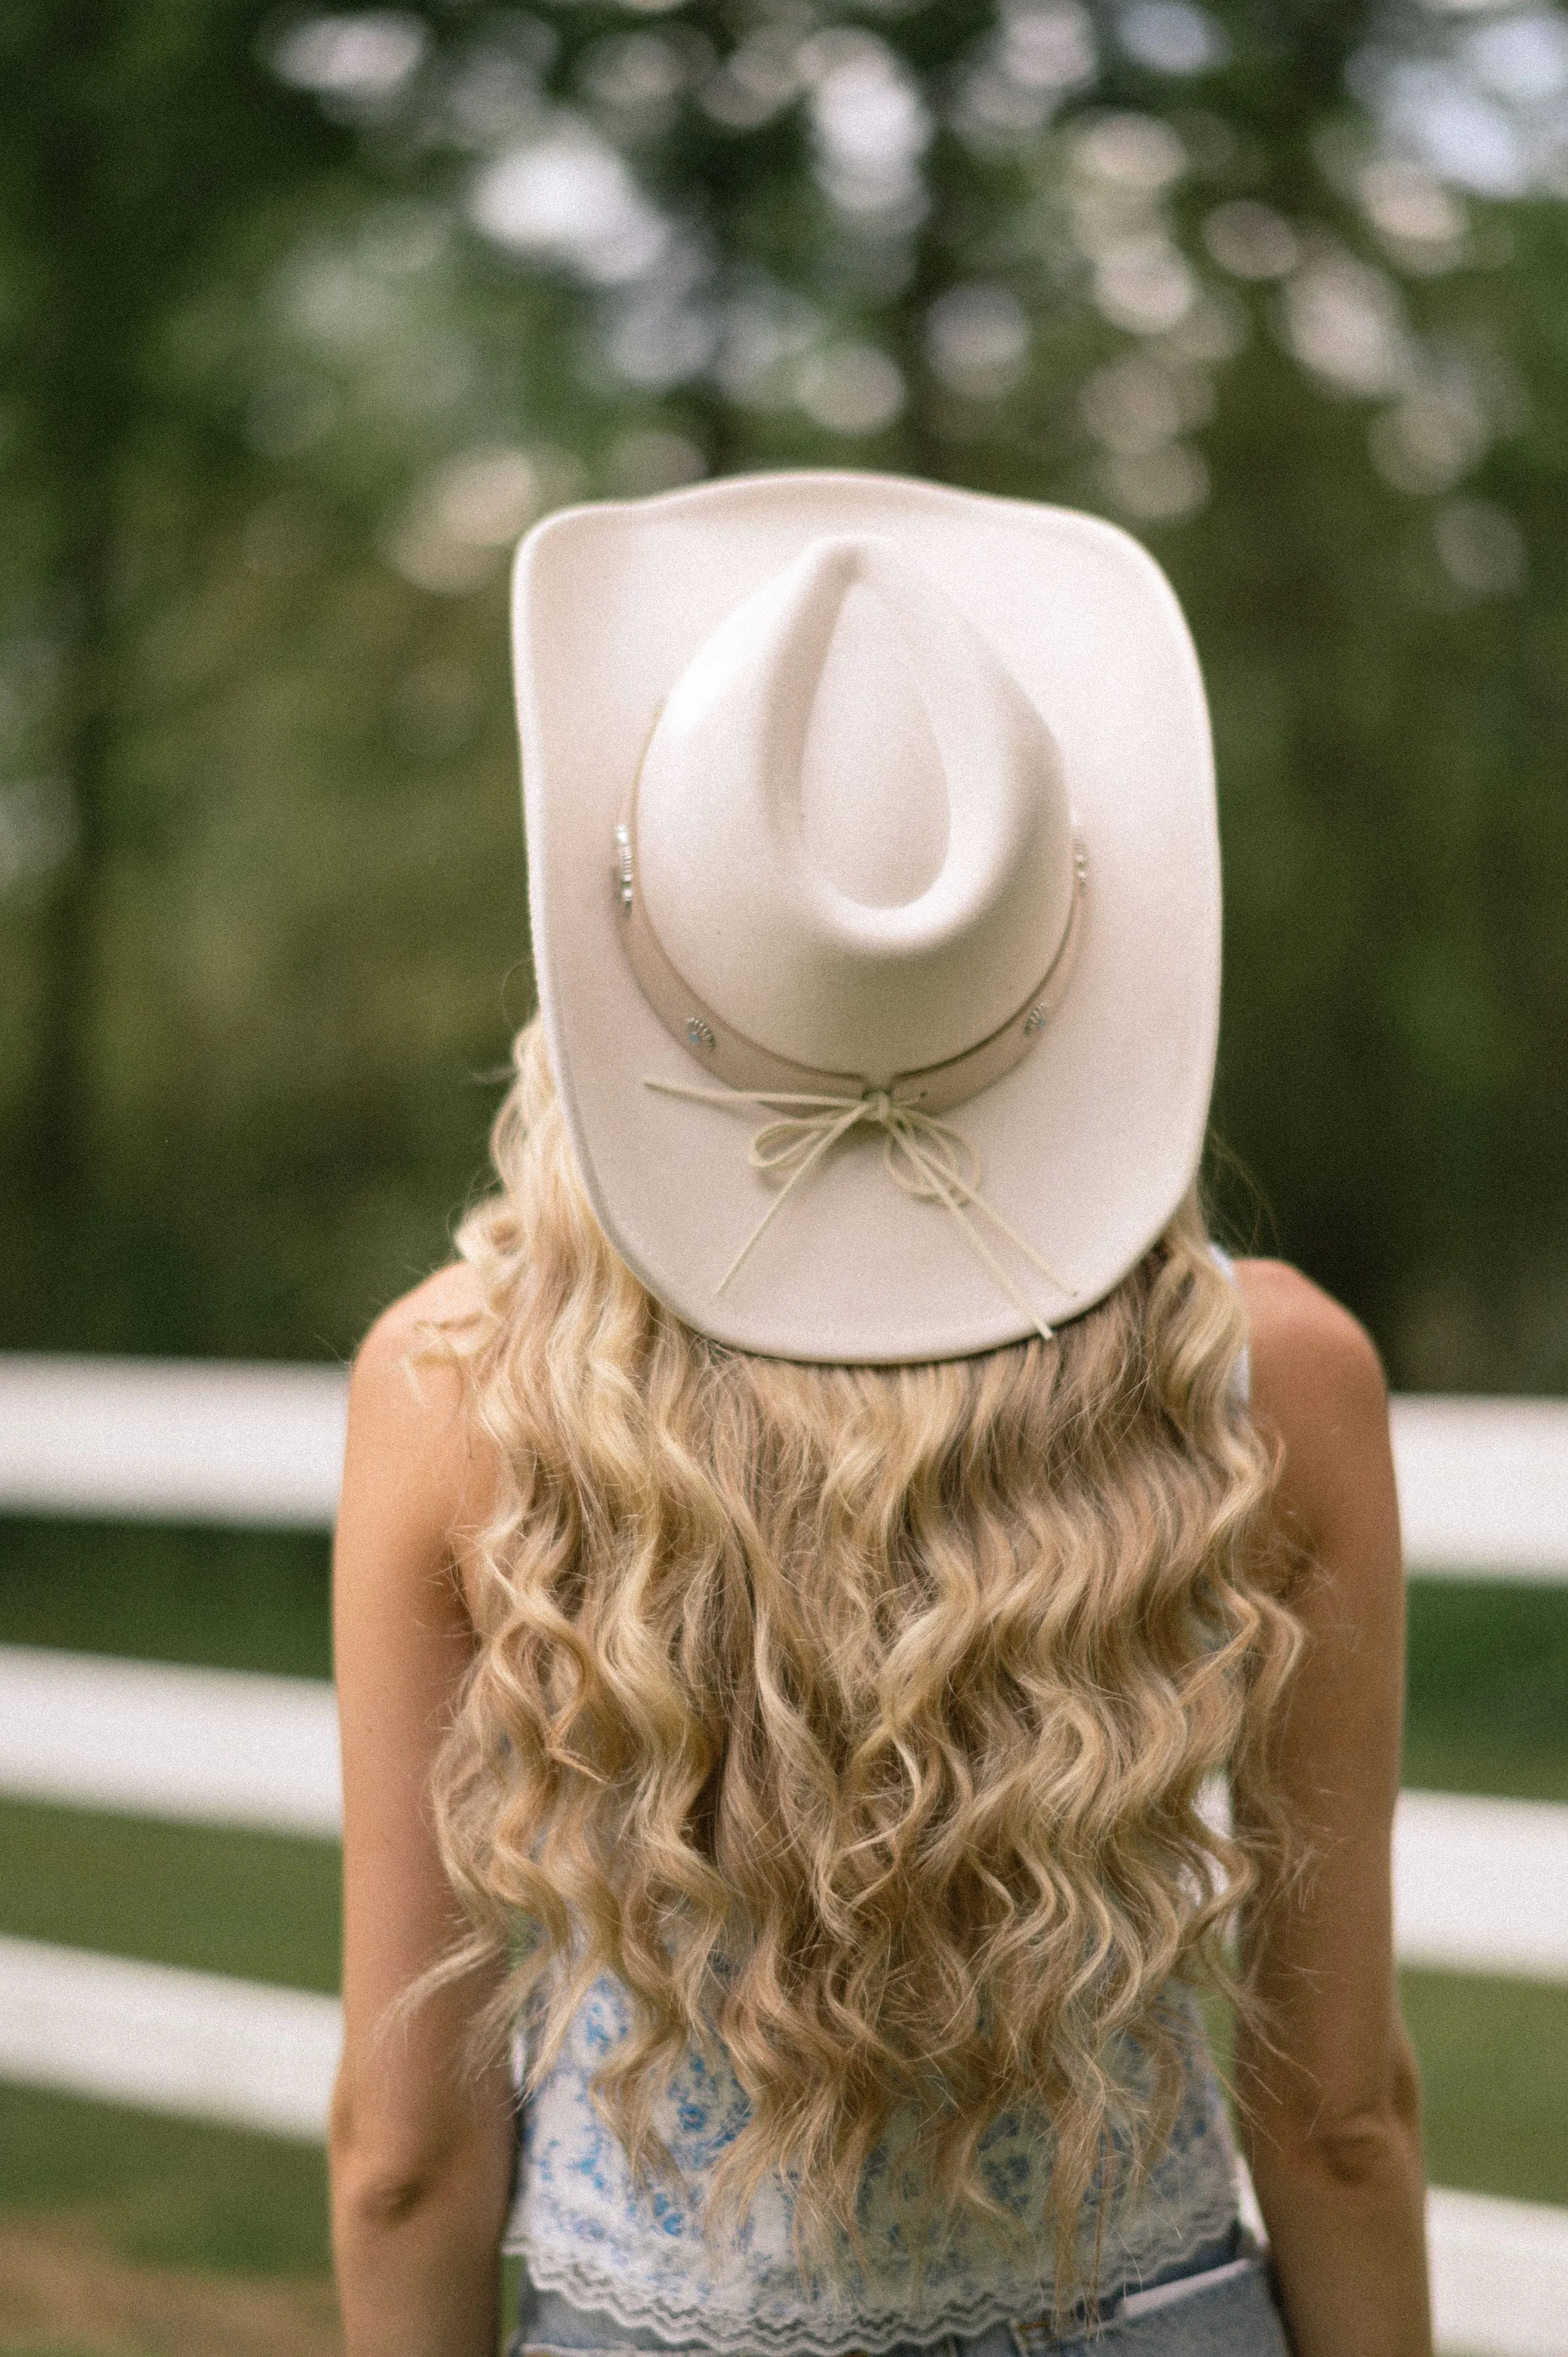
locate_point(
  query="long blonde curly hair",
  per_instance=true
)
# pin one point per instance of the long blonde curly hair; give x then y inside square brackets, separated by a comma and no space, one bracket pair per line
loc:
[858,1717]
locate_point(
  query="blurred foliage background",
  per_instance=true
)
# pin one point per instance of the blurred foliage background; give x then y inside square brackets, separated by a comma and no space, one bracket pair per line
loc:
[305,317]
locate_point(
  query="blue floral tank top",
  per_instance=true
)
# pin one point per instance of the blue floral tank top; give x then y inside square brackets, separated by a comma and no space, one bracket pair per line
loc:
[585,2230]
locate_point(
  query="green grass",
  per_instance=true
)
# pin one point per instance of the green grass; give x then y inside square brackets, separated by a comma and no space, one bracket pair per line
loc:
[1494,2069]
[166,2192]
[257,1905]
[1494,2076]
[169,2193]
[1488,1689]
[238,1600]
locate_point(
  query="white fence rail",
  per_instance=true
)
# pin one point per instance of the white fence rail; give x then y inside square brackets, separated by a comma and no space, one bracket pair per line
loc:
[198,2045]
[173,1440]
[1483,1482]
[1484,1486]
[1481,1886]
[1500,2276]
[204,1747]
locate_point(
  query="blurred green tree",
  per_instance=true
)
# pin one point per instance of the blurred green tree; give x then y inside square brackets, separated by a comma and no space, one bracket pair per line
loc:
[1277,288]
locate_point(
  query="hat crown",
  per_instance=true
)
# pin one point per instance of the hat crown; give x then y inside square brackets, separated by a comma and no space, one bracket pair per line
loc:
[854,837]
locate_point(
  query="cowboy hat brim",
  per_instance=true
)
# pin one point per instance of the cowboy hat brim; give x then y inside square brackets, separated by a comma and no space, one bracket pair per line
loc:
[1089,1144]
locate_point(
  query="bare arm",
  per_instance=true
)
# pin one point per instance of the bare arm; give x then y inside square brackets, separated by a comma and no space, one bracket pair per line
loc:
[421,2151]
[1333,2112]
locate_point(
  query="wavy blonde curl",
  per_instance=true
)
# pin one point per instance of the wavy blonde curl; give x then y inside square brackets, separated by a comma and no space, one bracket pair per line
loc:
[858,1717]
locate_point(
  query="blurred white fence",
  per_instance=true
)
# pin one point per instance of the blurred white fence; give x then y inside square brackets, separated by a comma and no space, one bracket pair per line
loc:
[198,2045]
[1483,1482]
[204,1747]
[1481,1886]
[1483,1486]
[172,1440]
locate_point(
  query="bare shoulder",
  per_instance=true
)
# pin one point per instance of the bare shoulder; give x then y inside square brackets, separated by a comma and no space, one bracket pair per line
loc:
[406,1327]
[408,1421]
[1318,1387]
[1307,1350]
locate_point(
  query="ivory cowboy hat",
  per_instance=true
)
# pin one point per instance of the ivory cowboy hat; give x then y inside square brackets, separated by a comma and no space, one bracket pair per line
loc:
[875,890]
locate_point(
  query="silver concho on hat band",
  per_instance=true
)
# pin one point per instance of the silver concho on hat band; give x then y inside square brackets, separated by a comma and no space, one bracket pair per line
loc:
[742,1064]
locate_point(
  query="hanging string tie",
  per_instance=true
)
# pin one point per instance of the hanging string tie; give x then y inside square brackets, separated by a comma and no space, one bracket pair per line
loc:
[927,1158]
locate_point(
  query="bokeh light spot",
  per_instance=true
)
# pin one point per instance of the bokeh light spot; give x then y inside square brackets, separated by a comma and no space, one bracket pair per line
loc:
[851,389]
[1250,240]
[1172,37]
[1158,487]
[977,341]
[568,196]
[367,57]
[1481,548]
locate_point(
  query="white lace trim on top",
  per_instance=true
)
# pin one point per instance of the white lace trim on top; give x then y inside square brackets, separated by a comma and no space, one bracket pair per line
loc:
[587,2232]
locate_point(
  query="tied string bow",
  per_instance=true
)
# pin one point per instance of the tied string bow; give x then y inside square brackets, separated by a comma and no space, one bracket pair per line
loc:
[927,1158]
